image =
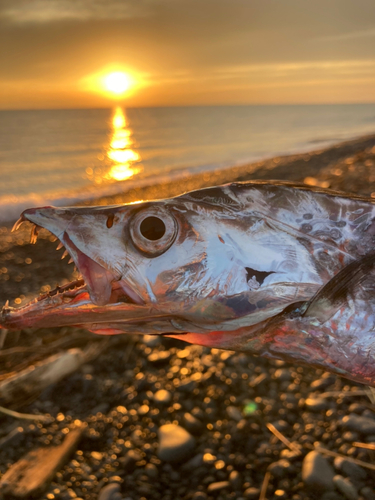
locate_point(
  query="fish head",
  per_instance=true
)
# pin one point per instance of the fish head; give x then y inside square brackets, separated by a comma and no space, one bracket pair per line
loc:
[168,267]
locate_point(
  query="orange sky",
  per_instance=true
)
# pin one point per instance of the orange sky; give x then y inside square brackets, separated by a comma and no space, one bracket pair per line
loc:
[54,54]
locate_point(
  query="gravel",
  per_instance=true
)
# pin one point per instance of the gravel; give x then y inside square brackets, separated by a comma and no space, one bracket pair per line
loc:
[170,421]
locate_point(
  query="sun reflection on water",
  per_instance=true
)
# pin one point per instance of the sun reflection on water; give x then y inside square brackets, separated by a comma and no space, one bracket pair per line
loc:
[120,151]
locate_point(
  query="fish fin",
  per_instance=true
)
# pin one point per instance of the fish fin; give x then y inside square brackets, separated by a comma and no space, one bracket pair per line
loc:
[346,283]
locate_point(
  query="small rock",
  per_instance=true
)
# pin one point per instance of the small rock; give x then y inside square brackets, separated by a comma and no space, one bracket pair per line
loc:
[332,495]
[162,396]
[317,473]
[159,358]
[282,374]
[323,382]
[218,486]
[187,385]
[129,460]
[152,471]
[348,468]
[234,413]
[151,340]
[252,493]
[316,404]
[110,492]
[192,424]
[368,493]
[175,443]
[235,480]
[280,468]
[354,422]
[345,487]
[199,495]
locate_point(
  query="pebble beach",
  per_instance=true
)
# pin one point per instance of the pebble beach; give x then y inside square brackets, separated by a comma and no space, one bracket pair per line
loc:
[146,418]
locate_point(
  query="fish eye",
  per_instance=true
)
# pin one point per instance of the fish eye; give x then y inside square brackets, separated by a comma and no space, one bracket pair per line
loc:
[153,230]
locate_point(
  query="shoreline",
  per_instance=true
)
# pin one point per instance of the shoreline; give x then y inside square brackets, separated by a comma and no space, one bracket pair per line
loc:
[294,167]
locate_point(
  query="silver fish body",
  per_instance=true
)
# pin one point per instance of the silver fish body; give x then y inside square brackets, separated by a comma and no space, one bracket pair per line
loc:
[269,268]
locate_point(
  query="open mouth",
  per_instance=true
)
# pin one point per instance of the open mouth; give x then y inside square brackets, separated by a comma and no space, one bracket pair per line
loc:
[95,284]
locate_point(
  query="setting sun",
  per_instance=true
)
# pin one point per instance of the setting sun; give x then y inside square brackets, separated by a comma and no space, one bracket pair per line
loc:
[117,82]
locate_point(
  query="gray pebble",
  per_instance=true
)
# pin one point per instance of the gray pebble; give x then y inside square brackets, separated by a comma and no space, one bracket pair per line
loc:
[316,404]
[360,424]
[348,468]
[152,471]
[151,340]
[110,492]
[252,493]
[199,495]
[192,424]
[282,374]
[368,493]
[317,473]
[234,413]
[162,396]
[345,487]
[175,443]
[235,480]
[280,468]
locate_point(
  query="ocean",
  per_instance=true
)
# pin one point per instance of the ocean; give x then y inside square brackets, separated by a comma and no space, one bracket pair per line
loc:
[64,156]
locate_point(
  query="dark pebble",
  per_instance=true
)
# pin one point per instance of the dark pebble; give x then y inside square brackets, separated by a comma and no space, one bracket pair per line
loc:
[345,487]
[199,495]
[235,480]
[129,460]
[110,492]
[317,473]
[368,493]
[348,468]
[363,425]
[280,468]
[192,424]
[175,443]
[316,404]
[252,493]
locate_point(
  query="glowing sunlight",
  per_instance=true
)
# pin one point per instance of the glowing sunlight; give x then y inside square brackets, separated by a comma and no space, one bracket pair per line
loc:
[117,82]
[120,151]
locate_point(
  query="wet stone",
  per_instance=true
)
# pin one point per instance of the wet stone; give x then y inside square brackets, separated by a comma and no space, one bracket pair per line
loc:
[356,423]
[162,397]
[110,492]
[345,487]
[317,473]
[175,443]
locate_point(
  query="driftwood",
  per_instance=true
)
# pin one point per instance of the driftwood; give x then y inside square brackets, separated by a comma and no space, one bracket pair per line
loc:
[31,475]
[22,385]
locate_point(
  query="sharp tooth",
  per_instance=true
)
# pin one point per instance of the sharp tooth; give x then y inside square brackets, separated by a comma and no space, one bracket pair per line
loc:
[34,234]
[18,223]
[52,239]
[60,245]
[70,260]
[6,304]
[64,254]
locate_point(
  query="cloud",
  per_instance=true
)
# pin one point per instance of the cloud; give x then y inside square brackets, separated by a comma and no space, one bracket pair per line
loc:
[369,33]
[44,11]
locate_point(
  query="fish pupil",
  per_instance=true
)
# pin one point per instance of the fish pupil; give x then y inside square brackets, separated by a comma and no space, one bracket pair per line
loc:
[152,228]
